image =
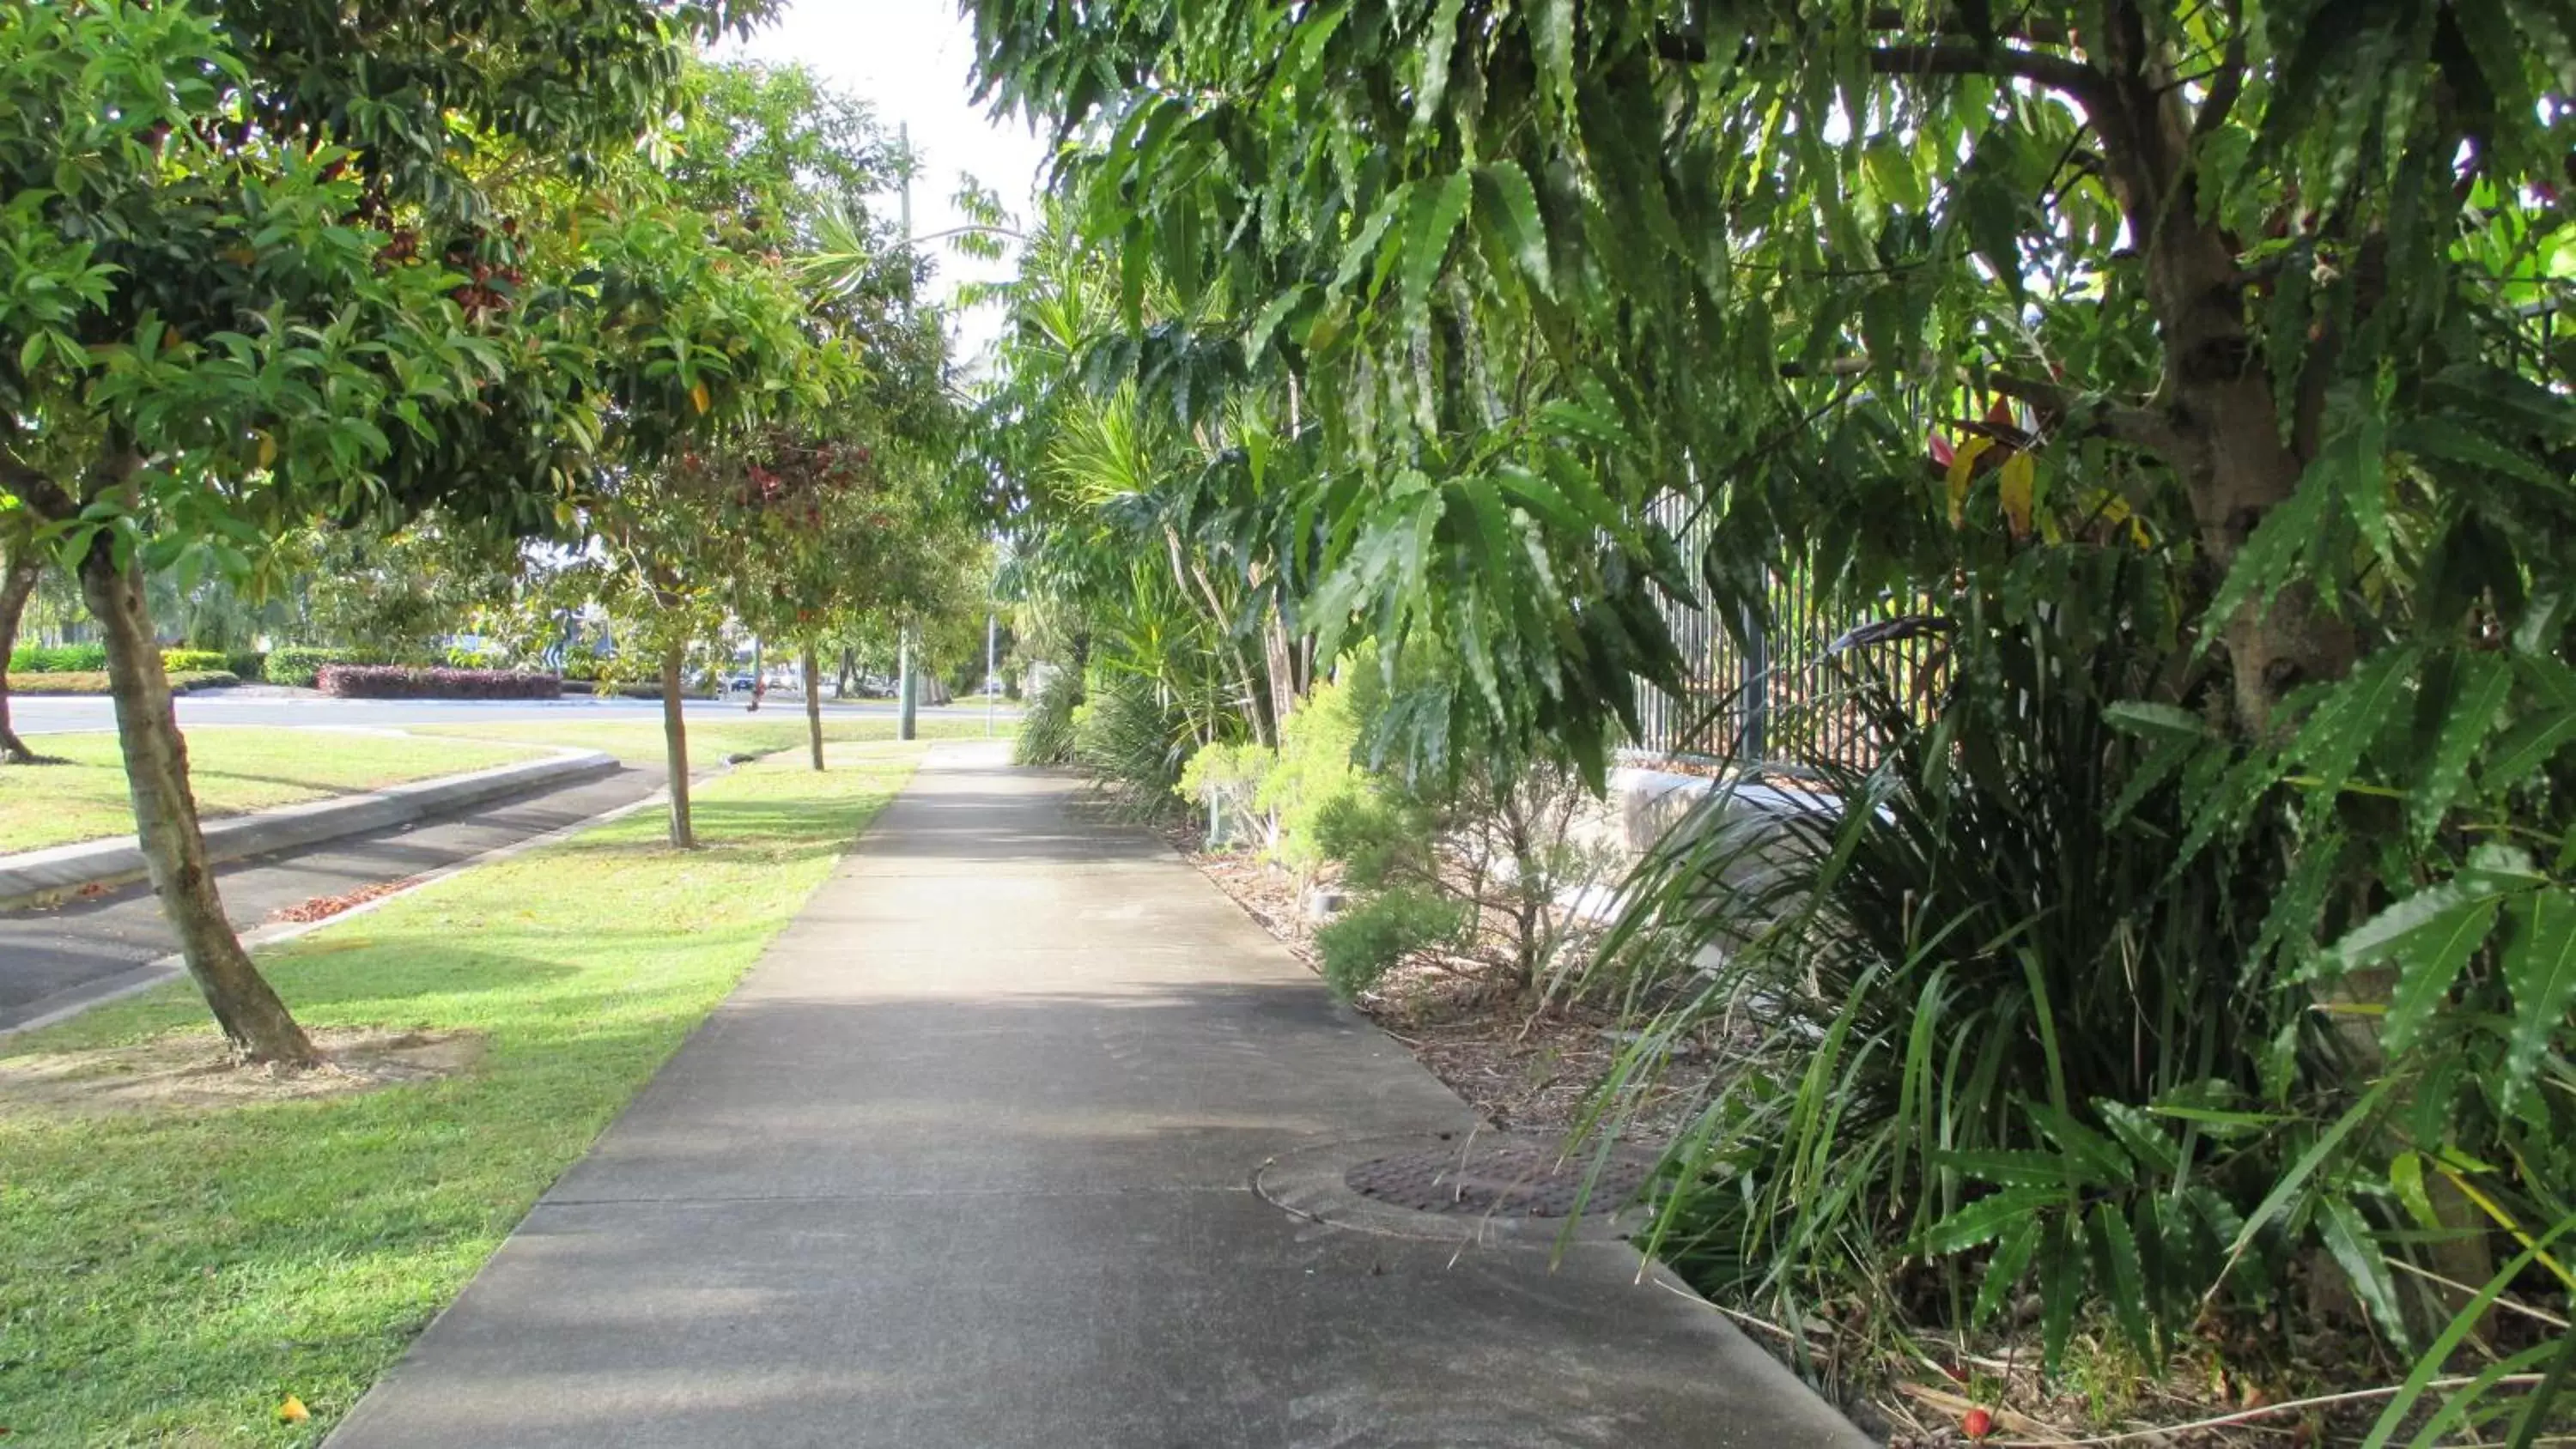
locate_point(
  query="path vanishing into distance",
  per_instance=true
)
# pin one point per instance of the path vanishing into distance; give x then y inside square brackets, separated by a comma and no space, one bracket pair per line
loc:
[1022,1134]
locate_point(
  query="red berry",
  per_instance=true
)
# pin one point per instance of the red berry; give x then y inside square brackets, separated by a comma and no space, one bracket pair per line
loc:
[1977,1424]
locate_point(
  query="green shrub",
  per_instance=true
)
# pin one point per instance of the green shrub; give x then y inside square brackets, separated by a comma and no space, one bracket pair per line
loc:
[1363,943]
[195,661]
[247,664]
[1046,731]
[95,682]
[2019,1045]
[1132,742]
[297,664]
[58,659]
[1227,779]
[1316,768]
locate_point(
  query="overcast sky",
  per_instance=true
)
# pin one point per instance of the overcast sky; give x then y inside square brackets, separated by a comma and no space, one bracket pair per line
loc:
[911,59]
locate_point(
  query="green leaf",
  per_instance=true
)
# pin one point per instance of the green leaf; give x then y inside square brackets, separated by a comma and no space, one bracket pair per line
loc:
[2296,1179]
[2062,1282]
[1507,207]
[2354,712]
[2015,1167]
[2118,1275]
[2004,1270]
[1363,245]
[2429,961]
[2484,685]
[2139,1134]
[2540,970]
[2348,1239]
[1552,38]
[1438,44]
[1987,1218]
[1436,214]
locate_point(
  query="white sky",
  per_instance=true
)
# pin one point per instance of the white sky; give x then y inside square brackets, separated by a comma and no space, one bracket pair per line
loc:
[910,59]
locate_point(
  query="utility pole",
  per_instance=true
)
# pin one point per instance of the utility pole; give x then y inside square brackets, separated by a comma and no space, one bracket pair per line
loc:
[906,694]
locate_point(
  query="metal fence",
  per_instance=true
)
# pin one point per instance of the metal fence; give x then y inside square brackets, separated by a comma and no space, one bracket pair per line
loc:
[1776,686]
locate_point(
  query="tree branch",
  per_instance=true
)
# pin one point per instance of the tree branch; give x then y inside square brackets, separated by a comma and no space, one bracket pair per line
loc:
[2028,28]
[2141,428]
[2090,88]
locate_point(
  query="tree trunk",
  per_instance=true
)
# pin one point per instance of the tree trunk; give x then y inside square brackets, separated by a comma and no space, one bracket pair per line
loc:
[675,747]
[814,705]
[1281,658]
[2225,438]
[17,583]
[253,1019]
[849,673]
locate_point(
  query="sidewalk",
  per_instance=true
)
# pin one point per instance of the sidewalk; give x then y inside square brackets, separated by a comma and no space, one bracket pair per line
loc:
[988,1152]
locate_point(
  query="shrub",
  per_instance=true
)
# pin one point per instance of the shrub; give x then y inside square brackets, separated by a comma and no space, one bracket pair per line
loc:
[401,681]
[1227,779]
[247,664]
[195,661]
[95,682]
[1132,741]
[1362,944]
[1046,732]
[300,665]
[59,659]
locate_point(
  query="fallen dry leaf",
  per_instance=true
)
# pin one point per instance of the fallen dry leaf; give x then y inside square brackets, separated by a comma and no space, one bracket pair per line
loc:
[293,1410]
[320,908]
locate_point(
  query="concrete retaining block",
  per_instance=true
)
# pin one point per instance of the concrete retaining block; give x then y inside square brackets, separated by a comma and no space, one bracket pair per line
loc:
[45,877]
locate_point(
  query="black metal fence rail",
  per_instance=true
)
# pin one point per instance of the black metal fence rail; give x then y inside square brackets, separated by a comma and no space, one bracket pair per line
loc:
[1778,686]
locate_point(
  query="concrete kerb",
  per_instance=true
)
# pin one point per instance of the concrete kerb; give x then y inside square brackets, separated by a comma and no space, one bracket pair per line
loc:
[46,877]
[174,965]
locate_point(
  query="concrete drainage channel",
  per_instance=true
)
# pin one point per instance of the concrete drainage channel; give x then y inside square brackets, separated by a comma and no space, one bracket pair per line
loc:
[1487,1189]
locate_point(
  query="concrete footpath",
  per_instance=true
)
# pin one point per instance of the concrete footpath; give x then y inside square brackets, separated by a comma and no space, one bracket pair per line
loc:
[1023,1135]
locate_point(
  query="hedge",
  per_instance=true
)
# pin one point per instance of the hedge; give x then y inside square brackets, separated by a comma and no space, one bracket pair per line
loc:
[299,664]
[91,681]
[66,659]
[399,681]
[196,661]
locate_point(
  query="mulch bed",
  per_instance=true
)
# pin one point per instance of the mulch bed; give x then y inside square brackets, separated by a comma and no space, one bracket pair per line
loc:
[1537,1072]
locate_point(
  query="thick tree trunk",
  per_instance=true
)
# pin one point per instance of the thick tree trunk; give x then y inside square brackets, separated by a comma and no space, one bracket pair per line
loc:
[813,705]
[2223,421]
[849,672]
[165,818]
[675,747]
[17,583]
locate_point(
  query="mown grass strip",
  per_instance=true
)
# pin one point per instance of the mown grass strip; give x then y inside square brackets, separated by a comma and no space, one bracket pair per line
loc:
[232,768]
[171,1276]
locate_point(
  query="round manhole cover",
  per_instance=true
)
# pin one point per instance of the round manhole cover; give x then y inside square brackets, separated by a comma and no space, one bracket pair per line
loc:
[1503,1178]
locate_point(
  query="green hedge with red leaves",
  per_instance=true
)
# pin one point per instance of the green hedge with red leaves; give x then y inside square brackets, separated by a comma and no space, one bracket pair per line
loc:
[400,681]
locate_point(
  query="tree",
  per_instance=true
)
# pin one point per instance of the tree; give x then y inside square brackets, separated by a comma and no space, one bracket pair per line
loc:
[238,240]
[22,566]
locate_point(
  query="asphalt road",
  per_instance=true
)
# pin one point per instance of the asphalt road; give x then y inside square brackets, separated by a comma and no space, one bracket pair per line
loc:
[58,714]
[55,958]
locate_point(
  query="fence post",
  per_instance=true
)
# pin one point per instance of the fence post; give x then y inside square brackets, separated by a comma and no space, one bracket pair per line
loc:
[1755,745]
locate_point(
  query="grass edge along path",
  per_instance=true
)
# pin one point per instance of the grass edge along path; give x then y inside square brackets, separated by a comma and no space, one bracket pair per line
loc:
[172,1276]
[233,770]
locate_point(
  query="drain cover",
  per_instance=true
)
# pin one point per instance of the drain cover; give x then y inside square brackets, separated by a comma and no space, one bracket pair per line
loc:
[1500,1177]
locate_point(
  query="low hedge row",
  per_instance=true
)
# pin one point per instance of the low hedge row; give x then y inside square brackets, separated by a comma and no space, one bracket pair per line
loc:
[91,681]
[300,665]
[401,681]
[61,659]
[92,659]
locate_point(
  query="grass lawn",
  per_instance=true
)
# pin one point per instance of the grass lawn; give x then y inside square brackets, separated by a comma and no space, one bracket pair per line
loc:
[169,1276]
[234,769]
[639,741]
